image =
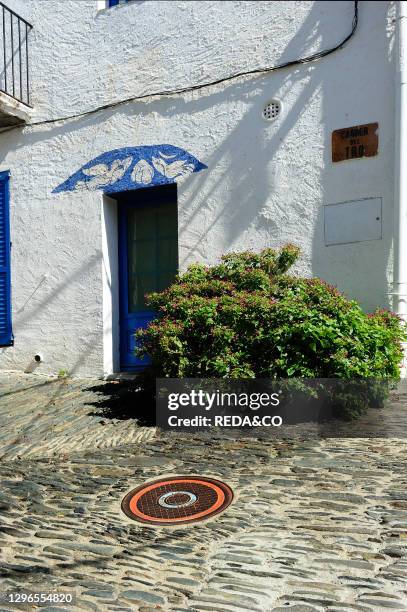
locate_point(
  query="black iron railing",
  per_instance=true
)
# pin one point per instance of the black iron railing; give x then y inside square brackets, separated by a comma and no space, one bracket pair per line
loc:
[14,70]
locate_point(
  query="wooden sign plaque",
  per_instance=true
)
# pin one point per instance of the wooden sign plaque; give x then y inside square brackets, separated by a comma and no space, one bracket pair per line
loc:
[355,142]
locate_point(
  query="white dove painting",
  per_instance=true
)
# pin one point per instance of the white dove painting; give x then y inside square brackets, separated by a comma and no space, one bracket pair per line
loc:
[133,168]
[103,175]
[173,170]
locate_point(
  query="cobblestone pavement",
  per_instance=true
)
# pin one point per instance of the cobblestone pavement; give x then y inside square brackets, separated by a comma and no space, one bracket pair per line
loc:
[315,525]
[44,416]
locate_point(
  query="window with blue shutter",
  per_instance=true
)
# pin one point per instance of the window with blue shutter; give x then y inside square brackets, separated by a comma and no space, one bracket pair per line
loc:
[6,333]
[114,2]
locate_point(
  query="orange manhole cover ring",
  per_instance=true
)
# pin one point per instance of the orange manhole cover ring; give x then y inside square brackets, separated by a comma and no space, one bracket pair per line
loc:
[177,500]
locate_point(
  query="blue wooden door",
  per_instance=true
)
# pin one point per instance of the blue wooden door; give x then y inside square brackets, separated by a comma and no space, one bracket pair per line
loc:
[6,333]
[148,260]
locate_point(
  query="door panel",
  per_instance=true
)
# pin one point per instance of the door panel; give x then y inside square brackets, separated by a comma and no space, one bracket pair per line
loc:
[148,260]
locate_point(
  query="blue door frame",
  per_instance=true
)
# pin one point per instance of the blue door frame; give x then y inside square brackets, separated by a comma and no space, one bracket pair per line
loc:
[153,200]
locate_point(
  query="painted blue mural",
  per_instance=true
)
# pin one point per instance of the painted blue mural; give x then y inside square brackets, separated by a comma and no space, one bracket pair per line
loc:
[133,168]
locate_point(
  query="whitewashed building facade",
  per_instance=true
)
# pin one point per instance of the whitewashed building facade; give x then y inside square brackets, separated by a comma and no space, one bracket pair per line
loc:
[114,183]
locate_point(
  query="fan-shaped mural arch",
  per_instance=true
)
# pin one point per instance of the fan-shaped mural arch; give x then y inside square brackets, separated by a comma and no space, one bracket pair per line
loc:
[133,168]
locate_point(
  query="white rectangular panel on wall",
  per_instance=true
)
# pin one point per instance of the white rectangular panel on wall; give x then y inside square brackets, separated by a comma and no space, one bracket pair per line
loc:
[355,221]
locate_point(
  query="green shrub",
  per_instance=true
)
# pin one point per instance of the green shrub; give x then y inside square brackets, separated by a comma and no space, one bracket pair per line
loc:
[247,318]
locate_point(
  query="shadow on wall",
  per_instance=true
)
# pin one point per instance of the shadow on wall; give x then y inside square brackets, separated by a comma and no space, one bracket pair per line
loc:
[29,313]
[50,297]
[247,195]
[247,205]
[361,269]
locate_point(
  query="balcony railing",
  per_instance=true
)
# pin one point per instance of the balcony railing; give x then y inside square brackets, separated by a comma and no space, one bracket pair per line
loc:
[14,70]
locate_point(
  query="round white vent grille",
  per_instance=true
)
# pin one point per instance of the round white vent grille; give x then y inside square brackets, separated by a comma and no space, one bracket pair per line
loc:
[272,110]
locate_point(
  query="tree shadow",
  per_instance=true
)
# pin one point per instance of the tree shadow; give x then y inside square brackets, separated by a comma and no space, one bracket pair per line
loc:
[361,270]
[125,399]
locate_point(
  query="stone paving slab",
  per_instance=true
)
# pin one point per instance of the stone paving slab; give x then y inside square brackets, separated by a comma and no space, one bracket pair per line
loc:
[315,524]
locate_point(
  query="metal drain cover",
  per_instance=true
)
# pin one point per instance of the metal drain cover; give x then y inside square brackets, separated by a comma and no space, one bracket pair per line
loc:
[177,500]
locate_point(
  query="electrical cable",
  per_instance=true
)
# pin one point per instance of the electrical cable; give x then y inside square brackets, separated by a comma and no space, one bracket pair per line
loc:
[173,92]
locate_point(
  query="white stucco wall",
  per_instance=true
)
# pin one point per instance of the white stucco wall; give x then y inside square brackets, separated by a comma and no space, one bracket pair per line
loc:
[266,183]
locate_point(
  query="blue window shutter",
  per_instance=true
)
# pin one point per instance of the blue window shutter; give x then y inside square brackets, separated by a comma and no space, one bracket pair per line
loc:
[6,333]
[114,2]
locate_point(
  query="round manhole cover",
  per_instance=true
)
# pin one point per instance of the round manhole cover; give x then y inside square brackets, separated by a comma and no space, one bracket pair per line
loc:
[177,500]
